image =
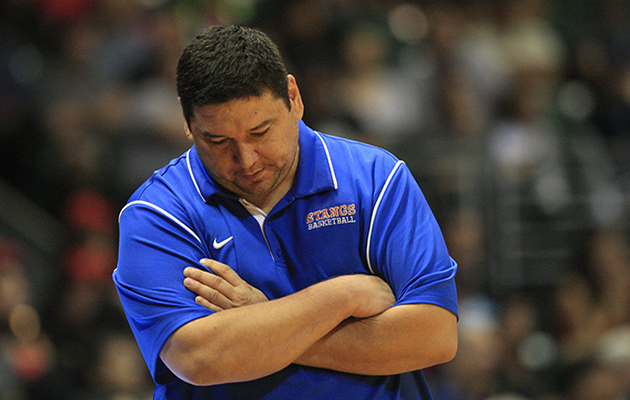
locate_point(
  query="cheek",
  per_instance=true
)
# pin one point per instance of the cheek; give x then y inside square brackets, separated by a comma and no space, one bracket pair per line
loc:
[286,149]
[218,165]
[272,153]
[284,155]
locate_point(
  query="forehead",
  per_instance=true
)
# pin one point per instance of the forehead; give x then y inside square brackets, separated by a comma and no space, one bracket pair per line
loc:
[246,113]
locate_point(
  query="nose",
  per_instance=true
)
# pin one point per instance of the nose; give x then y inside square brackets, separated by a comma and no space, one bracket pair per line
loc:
[245,155]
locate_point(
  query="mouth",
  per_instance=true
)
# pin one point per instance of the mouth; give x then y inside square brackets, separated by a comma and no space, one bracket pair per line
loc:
[253,176]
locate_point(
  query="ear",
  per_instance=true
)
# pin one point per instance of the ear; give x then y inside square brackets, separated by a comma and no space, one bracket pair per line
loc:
[187,131]
[297,107]
[186,126]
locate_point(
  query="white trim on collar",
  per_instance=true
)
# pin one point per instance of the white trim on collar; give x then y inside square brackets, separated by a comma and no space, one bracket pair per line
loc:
[330,165]
[192,176]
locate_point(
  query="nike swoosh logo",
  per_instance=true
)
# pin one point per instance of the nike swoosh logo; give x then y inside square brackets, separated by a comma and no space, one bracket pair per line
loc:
[218,245]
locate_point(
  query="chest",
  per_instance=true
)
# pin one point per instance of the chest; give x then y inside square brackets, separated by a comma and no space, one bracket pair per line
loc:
[293,248]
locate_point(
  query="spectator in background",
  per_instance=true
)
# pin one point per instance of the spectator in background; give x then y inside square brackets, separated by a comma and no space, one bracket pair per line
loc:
[75,76]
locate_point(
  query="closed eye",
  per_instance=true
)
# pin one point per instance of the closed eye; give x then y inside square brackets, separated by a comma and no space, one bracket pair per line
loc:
[261,133]
[215,140]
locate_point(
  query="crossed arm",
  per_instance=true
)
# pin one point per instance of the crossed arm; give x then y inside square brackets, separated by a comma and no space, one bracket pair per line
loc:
[345,324]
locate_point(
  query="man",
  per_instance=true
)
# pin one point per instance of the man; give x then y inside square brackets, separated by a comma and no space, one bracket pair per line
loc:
[330,277]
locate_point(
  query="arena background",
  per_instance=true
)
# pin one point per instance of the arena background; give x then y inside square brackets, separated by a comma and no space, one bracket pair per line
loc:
[513,115]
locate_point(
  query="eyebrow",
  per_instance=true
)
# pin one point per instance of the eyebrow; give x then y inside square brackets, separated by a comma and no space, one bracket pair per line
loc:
[262,124]
[257,127]
[210,135]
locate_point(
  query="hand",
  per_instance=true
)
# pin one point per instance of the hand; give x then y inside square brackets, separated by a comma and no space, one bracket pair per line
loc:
[222,290]
[372,295]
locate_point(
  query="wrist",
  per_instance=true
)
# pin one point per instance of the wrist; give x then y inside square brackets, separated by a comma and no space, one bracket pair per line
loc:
[340,295]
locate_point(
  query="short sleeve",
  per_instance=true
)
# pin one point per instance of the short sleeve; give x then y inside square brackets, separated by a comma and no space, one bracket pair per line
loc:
[155,247]
[406,245]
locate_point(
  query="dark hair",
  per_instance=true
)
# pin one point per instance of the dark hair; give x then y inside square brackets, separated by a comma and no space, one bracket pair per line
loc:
[225,63]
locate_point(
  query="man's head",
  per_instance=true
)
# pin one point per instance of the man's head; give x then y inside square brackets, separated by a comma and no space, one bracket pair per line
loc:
[242,112]
[226,63]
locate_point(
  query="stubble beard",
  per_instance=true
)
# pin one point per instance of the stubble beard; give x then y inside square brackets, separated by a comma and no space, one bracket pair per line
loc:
[276,180]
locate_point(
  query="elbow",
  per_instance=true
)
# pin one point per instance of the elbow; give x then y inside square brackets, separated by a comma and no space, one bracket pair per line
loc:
[186,366]
[208,365]
[447,348]
[444,348]
[195,373]
[198,370]
[447,339]
[191,363]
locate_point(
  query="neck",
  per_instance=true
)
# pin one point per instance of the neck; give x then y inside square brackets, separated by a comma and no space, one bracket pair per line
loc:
[266,203]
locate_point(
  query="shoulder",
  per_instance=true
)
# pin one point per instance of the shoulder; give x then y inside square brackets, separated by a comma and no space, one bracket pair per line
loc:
[169,189]
[344,146]
[167,178]
[360,160]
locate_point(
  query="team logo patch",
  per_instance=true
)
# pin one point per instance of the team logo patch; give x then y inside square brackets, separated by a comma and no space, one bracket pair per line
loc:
[337,215]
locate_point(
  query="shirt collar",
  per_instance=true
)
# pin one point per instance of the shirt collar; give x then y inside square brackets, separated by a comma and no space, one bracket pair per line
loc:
[315,171]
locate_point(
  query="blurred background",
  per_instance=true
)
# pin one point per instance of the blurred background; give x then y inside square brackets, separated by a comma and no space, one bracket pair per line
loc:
[513,115]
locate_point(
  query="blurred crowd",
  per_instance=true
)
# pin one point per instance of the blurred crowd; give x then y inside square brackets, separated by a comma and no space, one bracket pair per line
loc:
[513,115]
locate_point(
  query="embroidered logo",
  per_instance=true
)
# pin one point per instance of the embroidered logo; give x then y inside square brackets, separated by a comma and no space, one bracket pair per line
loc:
[218,245]
[337,215]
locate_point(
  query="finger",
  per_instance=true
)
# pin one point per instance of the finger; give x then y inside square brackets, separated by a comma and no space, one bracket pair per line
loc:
[224,271]
[213,298]
[211,280]
[207,304]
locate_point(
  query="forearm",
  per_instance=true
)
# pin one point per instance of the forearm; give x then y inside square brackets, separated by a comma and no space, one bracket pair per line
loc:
[247,343]
[403,338]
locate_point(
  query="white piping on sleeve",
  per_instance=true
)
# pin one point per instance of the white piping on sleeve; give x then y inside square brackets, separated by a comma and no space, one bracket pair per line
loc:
[330,165]
[178,222]
[192,176]
[373,218]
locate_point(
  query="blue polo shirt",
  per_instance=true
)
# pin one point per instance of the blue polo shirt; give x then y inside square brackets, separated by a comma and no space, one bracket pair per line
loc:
[354,208]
